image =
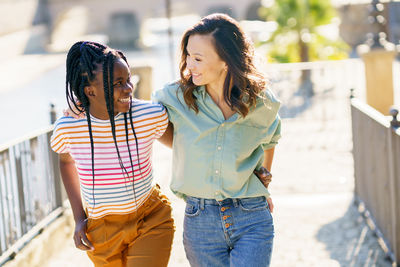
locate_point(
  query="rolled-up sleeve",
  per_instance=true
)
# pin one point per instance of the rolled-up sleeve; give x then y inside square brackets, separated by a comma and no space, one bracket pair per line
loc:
[275,131]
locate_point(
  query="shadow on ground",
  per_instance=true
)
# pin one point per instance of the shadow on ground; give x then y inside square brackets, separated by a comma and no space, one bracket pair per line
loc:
[360,246]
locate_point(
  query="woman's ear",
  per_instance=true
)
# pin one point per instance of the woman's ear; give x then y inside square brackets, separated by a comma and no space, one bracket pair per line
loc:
[89,91]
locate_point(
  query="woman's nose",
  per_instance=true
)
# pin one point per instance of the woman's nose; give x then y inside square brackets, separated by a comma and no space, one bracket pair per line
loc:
[128,87]
[189,64]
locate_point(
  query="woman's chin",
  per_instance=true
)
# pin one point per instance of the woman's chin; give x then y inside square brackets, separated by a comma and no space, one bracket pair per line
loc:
[122,108]
[197,82]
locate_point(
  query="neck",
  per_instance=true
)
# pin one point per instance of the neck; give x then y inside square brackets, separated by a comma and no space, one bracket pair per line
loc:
[102,115]
[216,90]
[217,94]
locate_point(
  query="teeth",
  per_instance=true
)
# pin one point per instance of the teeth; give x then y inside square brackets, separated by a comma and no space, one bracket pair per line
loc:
[124,100]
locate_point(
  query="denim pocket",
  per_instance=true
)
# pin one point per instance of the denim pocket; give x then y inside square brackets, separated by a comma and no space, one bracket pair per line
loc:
[192,208]
[253,203]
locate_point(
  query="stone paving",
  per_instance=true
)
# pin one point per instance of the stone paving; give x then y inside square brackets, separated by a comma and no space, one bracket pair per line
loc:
[316,223]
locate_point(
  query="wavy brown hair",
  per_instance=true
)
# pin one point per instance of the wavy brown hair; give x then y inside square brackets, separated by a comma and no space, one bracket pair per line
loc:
[243,81]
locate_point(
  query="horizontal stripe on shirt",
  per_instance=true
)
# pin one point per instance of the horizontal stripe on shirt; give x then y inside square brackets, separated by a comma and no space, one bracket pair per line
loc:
[112,192]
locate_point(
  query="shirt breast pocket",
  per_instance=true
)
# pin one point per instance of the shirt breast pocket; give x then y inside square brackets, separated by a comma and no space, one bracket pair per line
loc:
[247,138]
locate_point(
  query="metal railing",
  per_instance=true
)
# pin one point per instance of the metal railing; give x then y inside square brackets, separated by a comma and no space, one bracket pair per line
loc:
[376,150]
[31,195]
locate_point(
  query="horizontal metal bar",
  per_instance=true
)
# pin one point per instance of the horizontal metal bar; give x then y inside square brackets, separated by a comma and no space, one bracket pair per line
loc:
[371,112]
[371,222]
[29,136]
[37,229]
[308,65]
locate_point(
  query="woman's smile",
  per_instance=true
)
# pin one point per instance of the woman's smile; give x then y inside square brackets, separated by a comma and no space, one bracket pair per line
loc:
[125,100]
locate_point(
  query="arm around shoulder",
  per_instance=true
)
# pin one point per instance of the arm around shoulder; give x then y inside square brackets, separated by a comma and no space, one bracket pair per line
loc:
[167,138]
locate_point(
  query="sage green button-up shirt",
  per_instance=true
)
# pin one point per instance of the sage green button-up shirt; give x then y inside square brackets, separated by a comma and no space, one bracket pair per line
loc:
[214,158]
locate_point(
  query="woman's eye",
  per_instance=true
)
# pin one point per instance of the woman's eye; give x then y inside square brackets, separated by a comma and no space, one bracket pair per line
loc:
[197,59]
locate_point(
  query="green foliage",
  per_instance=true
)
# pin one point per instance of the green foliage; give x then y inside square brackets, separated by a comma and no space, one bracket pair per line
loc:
[299,14]
[298,22]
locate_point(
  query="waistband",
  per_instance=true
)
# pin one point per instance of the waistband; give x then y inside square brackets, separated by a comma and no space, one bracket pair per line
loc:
[148,200]
[214,202]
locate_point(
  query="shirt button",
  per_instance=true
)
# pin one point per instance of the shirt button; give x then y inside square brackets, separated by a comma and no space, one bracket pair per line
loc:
[216,171]
[219,148]
[216,193]
[223,124]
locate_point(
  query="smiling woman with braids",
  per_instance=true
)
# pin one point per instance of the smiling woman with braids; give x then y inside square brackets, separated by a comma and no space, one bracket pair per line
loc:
[123,219]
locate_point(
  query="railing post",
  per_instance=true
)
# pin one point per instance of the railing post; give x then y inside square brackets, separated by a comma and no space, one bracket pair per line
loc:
[53,113]
[394,122]
[54,159]
[143,81]
[20,184]
[378,56]
[2,208]
[394,182]
[351,93]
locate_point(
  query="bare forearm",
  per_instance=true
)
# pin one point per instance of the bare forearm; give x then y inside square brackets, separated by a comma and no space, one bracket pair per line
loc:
[71,183]
[167,138]
[268,157]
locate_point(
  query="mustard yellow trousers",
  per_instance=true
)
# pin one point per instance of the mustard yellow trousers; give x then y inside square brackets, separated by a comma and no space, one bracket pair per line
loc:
[142,238]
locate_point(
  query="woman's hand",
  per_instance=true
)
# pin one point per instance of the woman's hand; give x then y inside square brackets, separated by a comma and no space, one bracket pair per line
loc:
[80,237]
[68,112]
[264,176]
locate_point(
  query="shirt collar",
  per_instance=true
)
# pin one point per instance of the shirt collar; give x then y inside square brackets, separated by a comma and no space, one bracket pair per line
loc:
[200,91]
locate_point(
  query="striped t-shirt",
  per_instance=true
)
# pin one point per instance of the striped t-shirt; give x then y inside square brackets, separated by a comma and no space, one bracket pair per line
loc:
[113,191]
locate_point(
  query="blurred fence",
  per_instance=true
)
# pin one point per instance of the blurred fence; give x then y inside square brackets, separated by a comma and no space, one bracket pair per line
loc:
[30,191]
[376,150]
[331,82]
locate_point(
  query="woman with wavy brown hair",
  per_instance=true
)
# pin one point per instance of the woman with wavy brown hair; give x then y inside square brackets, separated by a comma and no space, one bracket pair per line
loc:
[225,126]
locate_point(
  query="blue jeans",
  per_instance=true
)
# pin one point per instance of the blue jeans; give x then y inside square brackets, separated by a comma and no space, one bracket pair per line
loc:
[231,232]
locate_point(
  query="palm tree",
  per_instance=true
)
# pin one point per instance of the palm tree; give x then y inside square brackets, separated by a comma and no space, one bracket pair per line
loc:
[296,37]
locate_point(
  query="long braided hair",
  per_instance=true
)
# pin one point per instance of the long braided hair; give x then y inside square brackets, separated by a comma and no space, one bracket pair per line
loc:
[83,59]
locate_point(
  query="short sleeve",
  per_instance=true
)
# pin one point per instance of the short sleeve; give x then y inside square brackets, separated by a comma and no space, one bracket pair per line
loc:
[168,97]
[162,121]
[59,140]
[270,107]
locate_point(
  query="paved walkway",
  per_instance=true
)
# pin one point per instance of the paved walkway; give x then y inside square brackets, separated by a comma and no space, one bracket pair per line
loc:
[315,221]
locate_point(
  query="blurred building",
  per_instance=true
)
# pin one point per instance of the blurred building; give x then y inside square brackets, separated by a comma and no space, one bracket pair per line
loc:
[29,26]
[355,26]
[40,22]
